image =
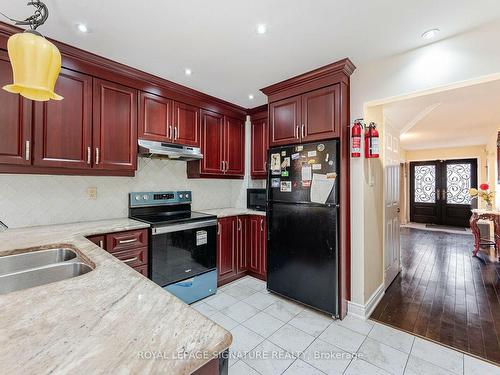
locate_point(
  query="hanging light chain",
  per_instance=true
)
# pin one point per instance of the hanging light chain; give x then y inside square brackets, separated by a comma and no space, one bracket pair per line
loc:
[37,19]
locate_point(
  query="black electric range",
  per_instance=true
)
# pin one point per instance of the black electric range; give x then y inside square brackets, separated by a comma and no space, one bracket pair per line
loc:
[183,243]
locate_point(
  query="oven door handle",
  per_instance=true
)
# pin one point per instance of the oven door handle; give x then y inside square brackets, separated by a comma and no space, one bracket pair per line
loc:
[185,226]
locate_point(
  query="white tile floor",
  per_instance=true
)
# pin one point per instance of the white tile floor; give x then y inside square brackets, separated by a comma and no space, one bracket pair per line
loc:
[273,336]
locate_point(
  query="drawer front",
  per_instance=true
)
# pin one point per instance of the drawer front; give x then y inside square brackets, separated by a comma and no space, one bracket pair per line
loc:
[133,257]
[126,240]
[143,270]
[196,288]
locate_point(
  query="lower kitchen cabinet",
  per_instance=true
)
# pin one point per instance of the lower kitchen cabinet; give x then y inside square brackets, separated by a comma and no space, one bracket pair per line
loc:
[241,248]
[227,233]
[131,247]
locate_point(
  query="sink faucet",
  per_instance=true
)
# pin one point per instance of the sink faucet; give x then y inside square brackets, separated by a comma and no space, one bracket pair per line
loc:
[3,227]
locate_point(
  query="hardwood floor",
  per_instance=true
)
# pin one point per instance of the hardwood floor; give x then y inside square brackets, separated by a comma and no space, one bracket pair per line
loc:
[444,294]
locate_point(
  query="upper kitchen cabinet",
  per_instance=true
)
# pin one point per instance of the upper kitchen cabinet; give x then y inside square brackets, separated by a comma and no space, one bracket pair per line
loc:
[310,107]
[259,144]
[155,118]
[321,114]
[313,116]
[212,128]
[186,124]
[15,121]
[222,146]
[115,126]
[165,120]
[285,120]
[63,129]
[234,147]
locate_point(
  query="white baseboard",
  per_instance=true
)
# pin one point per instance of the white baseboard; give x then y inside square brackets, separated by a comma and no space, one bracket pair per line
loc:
[364,311]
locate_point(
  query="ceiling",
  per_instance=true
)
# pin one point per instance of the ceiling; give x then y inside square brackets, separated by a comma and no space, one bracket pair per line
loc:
[467,116]
[218,40]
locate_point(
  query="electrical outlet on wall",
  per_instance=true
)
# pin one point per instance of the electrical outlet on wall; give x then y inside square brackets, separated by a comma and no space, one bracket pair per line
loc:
[92,192]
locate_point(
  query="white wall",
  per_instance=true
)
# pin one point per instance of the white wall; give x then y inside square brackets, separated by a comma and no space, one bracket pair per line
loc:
[27,200]
[463,57]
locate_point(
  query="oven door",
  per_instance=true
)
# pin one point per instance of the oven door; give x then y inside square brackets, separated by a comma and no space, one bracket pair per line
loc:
[182,251]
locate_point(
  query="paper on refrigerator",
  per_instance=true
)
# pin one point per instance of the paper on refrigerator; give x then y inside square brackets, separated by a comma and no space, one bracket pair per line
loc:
[321,187]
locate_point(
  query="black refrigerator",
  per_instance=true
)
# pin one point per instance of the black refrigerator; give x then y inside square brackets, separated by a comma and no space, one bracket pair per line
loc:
[302,211]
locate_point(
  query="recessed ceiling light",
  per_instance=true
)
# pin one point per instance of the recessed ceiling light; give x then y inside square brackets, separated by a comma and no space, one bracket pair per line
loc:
[429,34]
[188,71]
[261,28]
[83,28]
[250,96]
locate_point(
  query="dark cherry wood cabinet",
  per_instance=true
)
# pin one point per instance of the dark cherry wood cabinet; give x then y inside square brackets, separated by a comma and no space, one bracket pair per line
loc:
[321,114]
[259,144]
[212,128]
[241,247]
[15,121]
[263,247]
[285,120]
[131,247]
[115,126]
[313,116]
[106,105]
[63,129]
[227,249]
[165,120]
[234,147]
[99,240]
[155,118]
[257,244]
[186,124]
[223,147]
[254,244]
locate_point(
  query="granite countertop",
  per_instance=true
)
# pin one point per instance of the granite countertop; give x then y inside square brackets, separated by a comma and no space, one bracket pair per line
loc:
[232,211]
[110,320]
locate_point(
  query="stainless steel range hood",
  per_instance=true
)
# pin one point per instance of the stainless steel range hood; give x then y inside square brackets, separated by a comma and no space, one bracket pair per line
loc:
[169,150]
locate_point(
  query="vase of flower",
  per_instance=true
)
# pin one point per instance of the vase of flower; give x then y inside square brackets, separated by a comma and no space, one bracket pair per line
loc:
[487,196]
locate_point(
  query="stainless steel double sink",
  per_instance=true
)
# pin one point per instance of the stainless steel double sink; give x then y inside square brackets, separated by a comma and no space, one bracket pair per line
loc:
[40,267]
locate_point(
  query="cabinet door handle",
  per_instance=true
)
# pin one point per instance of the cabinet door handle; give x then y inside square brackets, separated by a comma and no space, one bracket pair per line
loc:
[297,132]
[89,155]
[27,150]
[169,135]
[239,224]
[101,244]
[97,156]
[176,133]
[130,260]
[121,242]
[222,166]
[261,225]
[227,166]
[218,228]
[303,131]
[443,194]
[438,194]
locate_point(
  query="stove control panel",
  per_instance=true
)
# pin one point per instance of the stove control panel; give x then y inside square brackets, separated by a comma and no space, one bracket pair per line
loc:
[158,198]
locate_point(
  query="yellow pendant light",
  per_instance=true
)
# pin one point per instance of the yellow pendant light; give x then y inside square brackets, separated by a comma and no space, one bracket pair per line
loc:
[35,61]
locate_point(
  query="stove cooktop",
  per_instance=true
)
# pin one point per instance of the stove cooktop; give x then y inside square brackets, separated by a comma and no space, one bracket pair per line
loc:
[168,218]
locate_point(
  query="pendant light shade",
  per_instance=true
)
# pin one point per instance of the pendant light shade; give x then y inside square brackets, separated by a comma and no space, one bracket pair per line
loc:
[36,64]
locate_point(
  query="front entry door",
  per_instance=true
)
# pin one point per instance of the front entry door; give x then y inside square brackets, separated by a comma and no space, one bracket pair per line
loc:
[439,191]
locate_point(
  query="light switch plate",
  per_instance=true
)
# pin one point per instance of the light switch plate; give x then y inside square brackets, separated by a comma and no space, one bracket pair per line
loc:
[92,192]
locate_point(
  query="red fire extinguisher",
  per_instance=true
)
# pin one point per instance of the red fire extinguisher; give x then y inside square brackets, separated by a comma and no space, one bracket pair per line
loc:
[372,145]
[356,131]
